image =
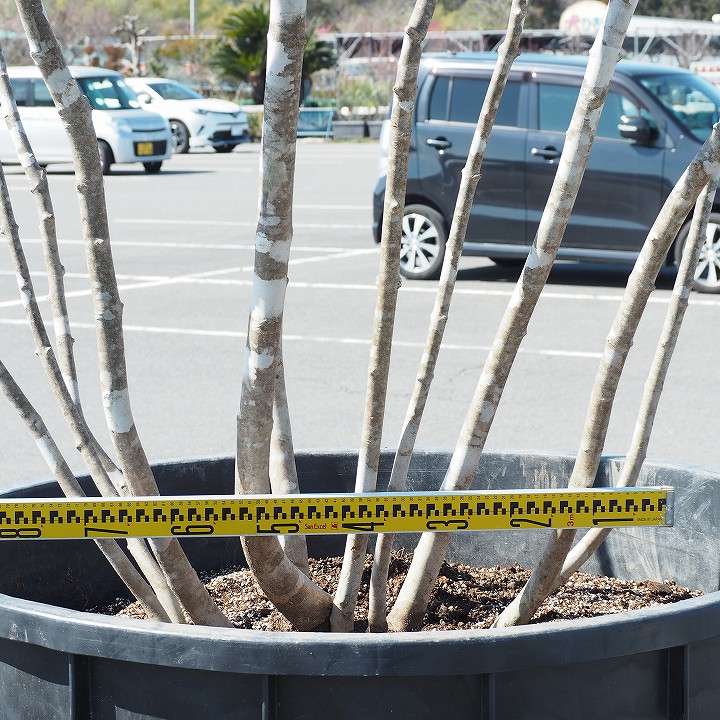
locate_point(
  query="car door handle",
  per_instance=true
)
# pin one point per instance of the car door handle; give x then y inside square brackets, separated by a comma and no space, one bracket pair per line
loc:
[549,153]
[440,143]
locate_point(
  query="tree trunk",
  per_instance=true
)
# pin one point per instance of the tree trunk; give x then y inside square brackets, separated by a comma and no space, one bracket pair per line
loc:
[388,283]
[283,474]
[507,53]
[412,600]
[304,604]
[679,302]
[640,284]
[75,112]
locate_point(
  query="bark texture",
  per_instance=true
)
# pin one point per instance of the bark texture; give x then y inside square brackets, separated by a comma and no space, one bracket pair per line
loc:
[388,284]
[283,474]
[299,599]
[637,452]
[75,113]
[410,605]
[508,51]
[640,285]
[71,488]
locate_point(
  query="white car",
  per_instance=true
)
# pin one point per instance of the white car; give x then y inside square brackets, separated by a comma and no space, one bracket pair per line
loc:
[126,133]
[196,121]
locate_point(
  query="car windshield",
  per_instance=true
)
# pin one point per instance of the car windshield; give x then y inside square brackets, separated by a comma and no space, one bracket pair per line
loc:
[108,93]
[693,100]
[174,91]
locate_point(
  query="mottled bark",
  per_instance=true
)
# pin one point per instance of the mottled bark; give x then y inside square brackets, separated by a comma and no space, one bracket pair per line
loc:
[283,473]
[508,51]
[640,285]
[75,112]
[388,284]
[412,600]
[71,488]
[298,598]
[652,392]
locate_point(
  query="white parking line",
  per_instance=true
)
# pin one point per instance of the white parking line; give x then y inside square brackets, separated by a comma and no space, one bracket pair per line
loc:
[205,246]
[144,281]
[242,223]
[149,329]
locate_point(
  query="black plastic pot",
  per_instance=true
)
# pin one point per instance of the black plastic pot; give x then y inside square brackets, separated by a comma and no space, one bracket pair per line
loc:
[57,662]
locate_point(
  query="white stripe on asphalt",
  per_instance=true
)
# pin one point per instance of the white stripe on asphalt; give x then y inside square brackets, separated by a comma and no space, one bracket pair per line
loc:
[243,223]
[145,281]
[315,339]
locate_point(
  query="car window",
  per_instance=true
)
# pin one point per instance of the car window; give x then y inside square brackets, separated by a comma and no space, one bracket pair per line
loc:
[460,99]
[556,104]
[22,91]
[41,95]
[174,91]
[692,100]
[108,93]
[439,99]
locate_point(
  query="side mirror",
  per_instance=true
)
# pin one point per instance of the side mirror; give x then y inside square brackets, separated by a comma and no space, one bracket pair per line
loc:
[637,129]
[144,98]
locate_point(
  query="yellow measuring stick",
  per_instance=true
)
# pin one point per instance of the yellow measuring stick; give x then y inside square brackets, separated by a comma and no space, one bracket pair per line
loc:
[65,519]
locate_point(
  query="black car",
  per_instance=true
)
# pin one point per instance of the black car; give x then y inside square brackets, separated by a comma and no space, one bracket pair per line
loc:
[654,121]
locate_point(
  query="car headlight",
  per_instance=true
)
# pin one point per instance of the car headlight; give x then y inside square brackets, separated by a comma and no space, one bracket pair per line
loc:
[201,111]
[122,126]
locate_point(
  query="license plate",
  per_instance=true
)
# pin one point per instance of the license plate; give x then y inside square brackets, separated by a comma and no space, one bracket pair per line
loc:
[145,148]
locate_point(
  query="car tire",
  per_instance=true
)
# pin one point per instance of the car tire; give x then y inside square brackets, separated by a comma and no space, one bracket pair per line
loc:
[180,137]
[707,274]
[152,167]
[423,243]
[226,148]
[106,157]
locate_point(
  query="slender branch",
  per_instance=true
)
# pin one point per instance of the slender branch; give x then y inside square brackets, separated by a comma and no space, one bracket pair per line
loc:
[283,473]
[293,593]
[388,283]
[412,600]
[71,488]
[74,110]
[508,51]
[105,475]
[640,285]
[679,302]
[37,179]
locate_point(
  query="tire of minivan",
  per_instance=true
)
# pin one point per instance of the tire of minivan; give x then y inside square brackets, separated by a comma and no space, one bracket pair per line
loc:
[707,274]
[106,157]
[423,243]
[153,167]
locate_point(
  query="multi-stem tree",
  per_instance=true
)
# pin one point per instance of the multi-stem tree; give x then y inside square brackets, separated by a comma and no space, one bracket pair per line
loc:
[161,578]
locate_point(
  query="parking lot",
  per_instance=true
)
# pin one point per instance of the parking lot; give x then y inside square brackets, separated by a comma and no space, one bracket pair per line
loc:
[183,247]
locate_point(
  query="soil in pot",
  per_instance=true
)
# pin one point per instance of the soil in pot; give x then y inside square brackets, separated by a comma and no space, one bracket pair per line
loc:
[464,598]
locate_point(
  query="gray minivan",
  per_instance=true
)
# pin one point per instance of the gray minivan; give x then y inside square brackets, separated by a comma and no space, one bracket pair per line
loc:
[654,121]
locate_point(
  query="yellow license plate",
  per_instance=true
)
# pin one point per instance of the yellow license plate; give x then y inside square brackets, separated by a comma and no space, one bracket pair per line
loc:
[145,148]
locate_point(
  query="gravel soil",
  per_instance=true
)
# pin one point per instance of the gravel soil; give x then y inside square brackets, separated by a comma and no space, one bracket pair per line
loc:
[464,598]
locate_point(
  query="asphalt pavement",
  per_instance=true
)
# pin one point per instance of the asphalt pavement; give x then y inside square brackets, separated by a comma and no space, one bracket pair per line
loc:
[183,248]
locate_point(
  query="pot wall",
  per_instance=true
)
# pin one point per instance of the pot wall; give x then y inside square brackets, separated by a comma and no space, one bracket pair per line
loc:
[57,662]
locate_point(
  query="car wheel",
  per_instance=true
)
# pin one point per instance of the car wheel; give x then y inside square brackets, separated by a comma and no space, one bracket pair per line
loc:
[226,148]
[707,273]
[180,137]
[423,243]
[153,167]
[106,157]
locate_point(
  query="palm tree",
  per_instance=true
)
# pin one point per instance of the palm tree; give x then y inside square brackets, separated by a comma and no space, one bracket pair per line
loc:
[242,51]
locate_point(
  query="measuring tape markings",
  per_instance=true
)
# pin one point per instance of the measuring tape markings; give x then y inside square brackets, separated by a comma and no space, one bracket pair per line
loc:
[224,515]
